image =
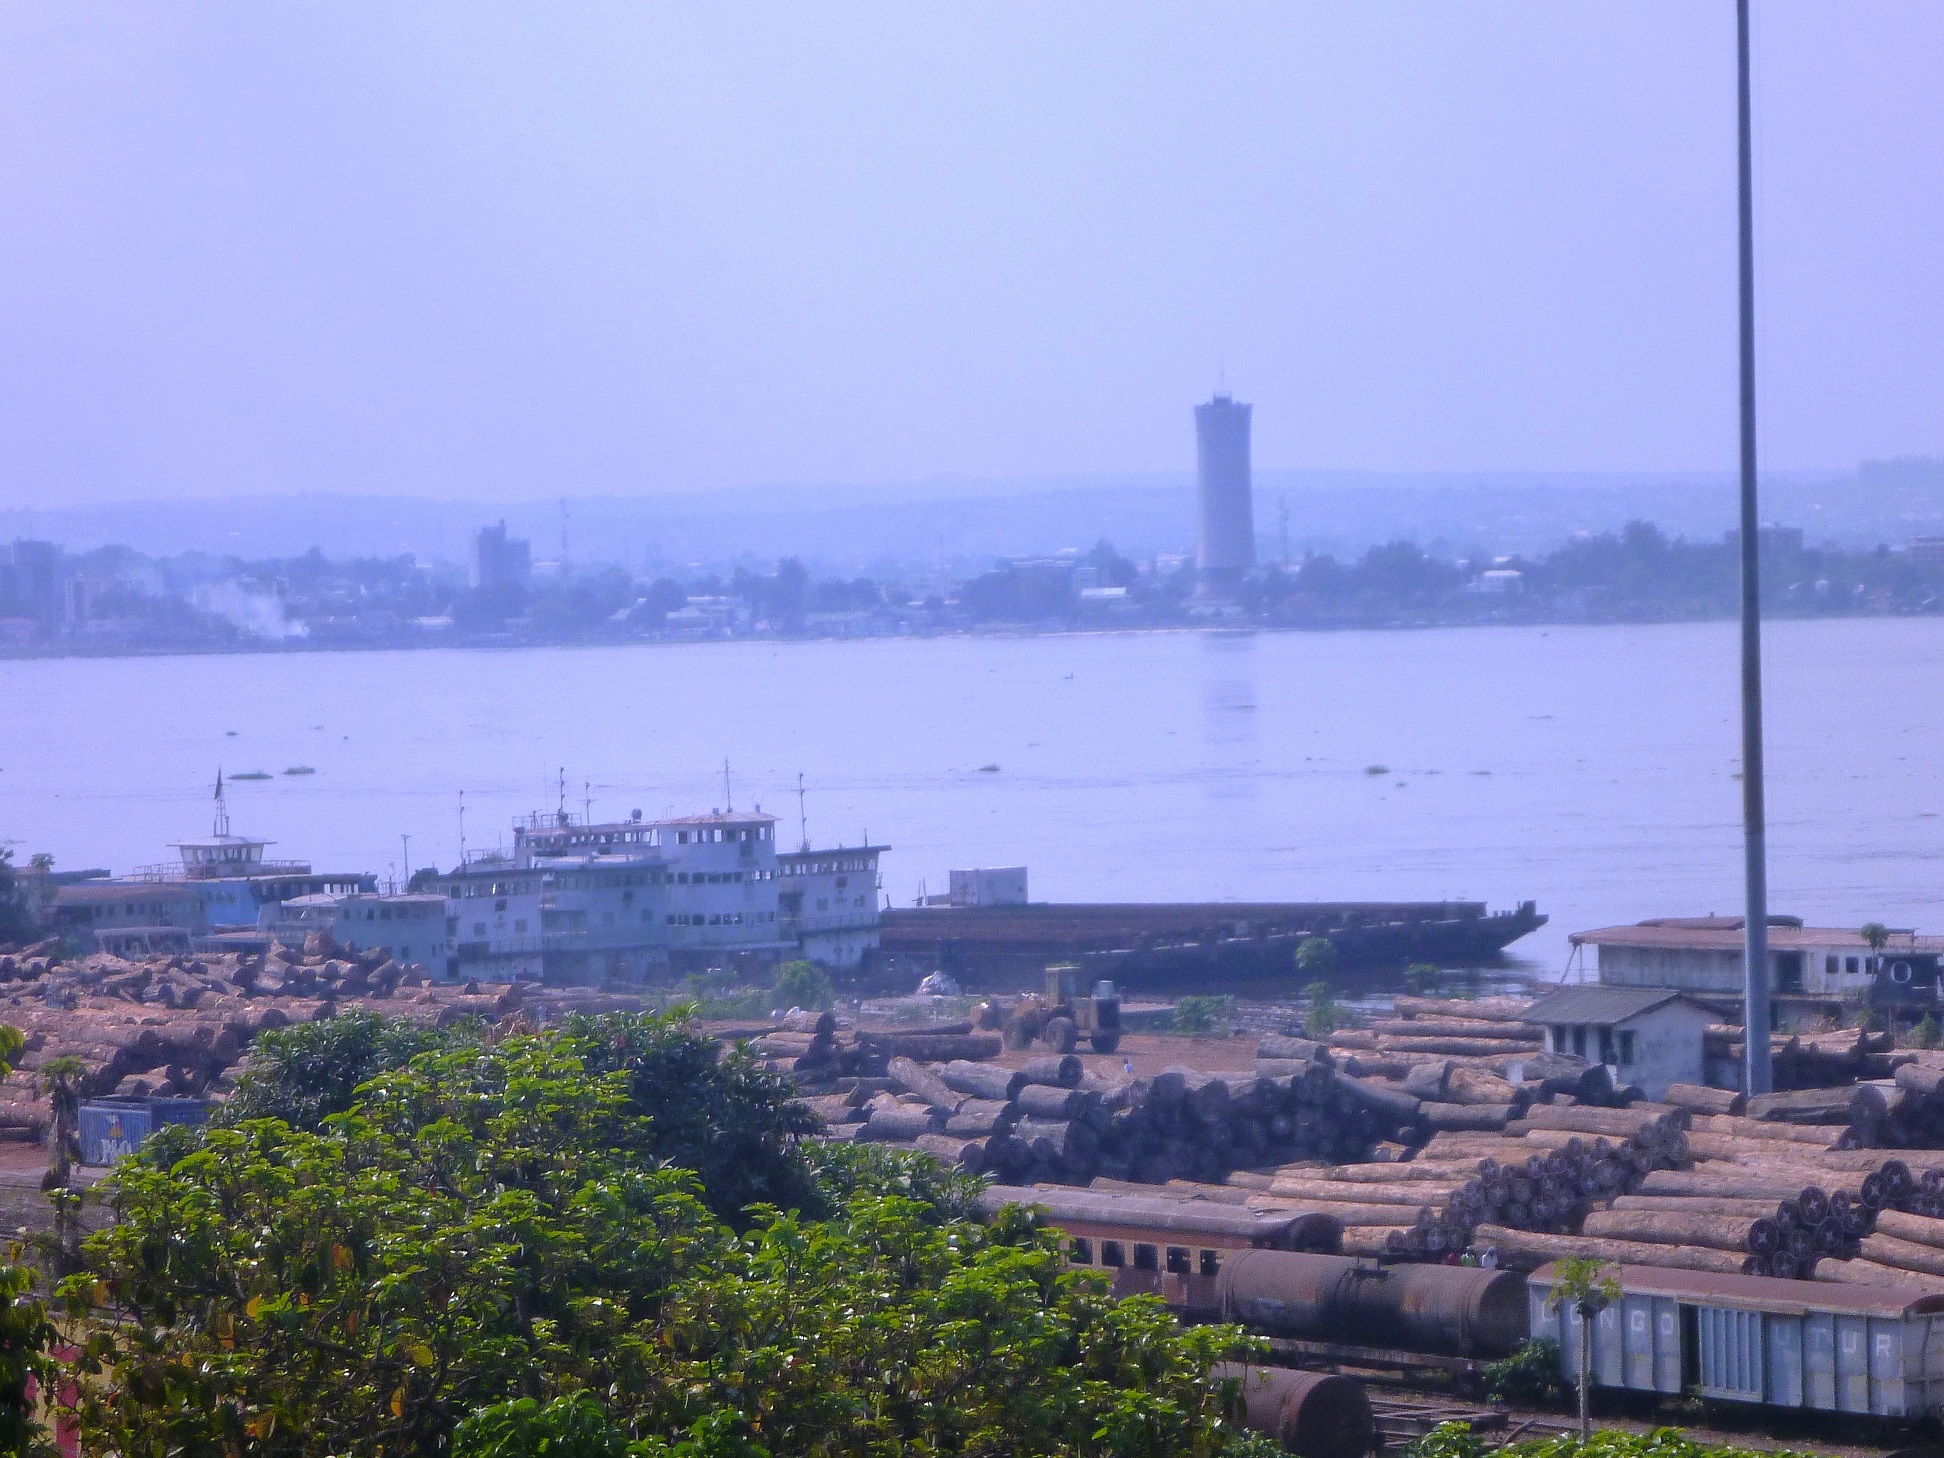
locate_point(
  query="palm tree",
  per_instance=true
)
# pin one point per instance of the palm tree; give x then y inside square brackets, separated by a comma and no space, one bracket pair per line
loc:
[60,1080]
[1580,1287]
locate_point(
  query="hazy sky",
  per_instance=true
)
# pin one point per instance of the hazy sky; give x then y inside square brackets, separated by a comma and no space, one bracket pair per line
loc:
[520,250]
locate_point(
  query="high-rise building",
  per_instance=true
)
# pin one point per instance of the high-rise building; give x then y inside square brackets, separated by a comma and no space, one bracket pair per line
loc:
[499,560]
[1226,549]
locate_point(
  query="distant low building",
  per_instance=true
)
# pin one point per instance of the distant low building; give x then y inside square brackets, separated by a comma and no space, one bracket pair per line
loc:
[1650,1036]
[987,886]
[118,915]
[411,927]
[1705,954]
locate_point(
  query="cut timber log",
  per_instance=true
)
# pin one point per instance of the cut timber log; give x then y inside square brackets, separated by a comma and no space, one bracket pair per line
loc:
[1491,1009]
[1856,1104]
[934,1047]
[1921,1229]
[1905,1255]
[1662,1227]
[1614,1123]
[1300,1050]
[1466,1116]
[1869,1273]
[1468,1085]
[1373,1240]
[1818,1136]
[1734,1182]
[1525,1250]
[901,1123]
[1350,1215]
[1392,1103]
[1752,1209]
[1412,1195]
[1479,1046]
[965,1154]
[982,1080]
[1455,1028]
[1062,1070]
[1699,1100]
[1043,1101]
[979,1117]
[1055,1139]
[914,1078]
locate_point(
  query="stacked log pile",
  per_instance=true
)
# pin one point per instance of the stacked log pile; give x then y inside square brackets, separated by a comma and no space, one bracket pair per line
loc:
[1912,1116]
[1051,1123]
[1539,1173]
[182,1024]
[1811,1060]
[819,1053]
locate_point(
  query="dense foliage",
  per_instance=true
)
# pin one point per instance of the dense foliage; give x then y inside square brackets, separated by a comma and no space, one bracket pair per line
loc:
[1455,1440]
[1529,1375]
[16,918]
[306,1073]
[494,1253]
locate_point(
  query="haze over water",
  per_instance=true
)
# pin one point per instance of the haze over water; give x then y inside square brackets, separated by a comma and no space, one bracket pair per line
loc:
[1589,768]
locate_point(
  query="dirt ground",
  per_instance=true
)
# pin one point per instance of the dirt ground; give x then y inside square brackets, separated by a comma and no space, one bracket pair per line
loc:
[1152,1052]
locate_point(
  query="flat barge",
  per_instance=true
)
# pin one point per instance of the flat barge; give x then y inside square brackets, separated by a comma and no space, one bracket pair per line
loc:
[1177,943]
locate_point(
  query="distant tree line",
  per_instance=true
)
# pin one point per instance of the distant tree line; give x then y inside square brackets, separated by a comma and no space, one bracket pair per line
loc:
[1635,574]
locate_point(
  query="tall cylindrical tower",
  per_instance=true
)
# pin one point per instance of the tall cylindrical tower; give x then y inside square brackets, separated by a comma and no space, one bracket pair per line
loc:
[1227,516]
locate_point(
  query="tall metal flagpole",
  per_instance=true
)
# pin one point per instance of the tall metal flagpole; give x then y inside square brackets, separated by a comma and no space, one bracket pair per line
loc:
[1757,1077]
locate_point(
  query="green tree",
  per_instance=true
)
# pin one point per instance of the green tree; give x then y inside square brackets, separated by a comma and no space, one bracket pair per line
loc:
[25,1338]
[1325,1013]
[1200,1015]
[478,1257]
[802,984]
[721,1115]
[16,917]
[1579,1288]
[1316,956]
[305,1073]
[1875,933]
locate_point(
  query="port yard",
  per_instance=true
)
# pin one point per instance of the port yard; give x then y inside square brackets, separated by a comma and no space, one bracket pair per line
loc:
[1439,1127]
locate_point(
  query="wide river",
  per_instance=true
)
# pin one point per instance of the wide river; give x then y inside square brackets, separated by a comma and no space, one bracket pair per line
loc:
[1593,769]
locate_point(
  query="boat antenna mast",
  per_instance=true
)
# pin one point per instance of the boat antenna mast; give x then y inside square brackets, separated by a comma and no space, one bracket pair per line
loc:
[728,799]
[222,827]
[803,817]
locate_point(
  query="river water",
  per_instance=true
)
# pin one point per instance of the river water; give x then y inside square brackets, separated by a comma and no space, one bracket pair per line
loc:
[1592,769]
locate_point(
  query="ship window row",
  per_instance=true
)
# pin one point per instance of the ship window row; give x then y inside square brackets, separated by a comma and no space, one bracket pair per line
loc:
[1850,965]
[716,878]
[720,918]
[830,868]
[719,835]
[385,913]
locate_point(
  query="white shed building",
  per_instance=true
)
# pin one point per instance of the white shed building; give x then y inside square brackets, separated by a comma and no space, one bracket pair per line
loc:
[1650,1036]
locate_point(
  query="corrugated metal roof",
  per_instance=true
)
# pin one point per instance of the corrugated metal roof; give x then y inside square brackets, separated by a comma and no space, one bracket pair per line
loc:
[1765,1293]
[734,817]
[1602,1004]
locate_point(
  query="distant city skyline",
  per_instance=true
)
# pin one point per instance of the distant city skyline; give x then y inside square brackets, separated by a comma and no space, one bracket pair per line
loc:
[601,250]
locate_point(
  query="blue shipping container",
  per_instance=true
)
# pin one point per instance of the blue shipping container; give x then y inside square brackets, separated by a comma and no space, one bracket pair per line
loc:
[111,1131]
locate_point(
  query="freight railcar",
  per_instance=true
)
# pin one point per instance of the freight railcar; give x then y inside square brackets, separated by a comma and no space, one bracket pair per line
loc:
[1761,1340]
